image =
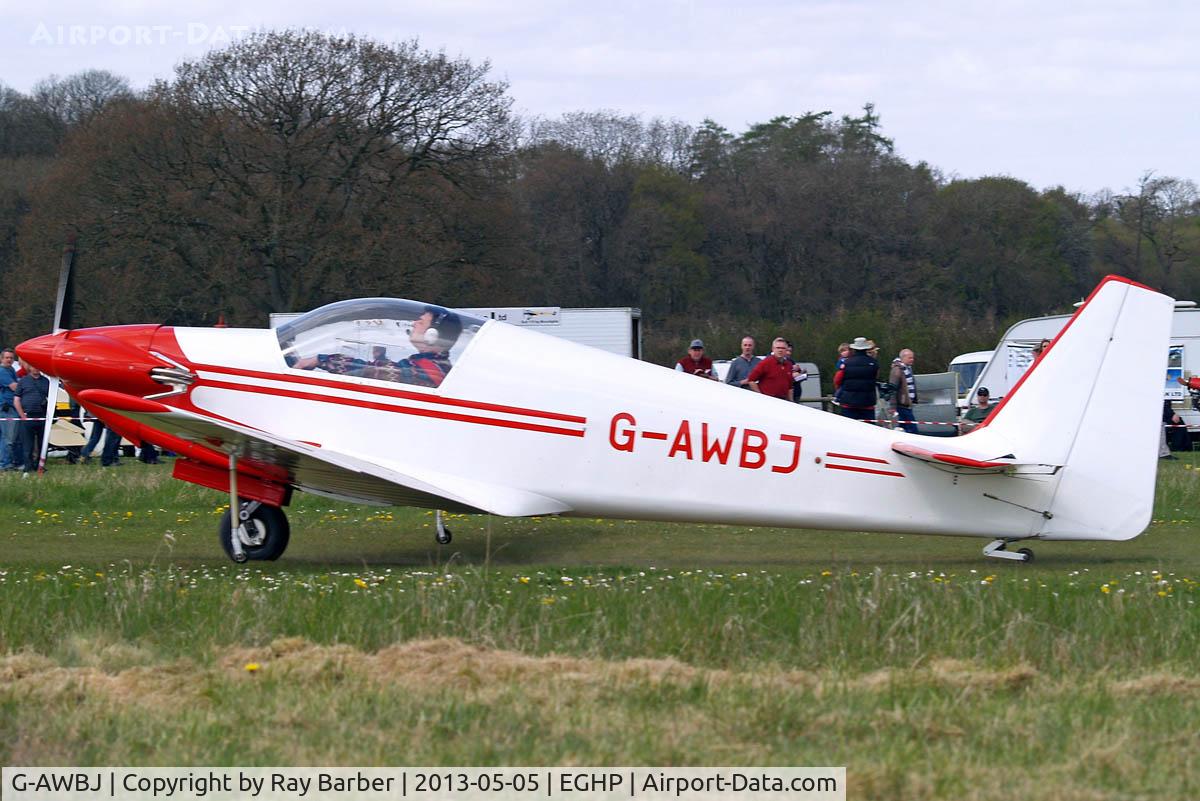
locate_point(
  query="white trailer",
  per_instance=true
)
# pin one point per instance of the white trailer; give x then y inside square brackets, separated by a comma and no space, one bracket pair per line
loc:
[1014,354]
[616,330]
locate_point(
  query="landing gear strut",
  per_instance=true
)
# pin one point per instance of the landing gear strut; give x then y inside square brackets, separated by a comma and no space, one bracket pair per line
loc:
[999,550]
[443,535]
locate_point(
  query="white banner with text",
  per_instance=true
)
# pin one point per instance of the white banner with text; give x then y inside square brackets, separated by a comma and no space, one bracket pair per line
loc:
[424,784]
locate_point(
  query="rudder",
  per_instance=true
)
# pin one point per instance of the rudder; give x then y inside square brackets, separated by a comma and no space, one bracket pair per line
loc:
[1105,434]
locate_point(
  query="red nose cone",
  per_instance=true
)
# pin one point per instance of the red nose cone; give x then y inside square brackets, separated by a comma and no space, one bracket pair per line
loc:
[39,351]
[115,358]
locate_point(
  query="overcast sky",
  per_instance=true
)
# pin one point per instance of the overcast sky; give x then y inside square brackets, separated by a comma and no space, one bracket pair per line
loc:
[1089,95]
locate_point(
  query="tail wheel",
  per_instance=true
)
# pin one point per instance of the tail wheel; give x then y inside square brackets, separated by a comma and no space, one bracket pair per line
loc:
[264,533]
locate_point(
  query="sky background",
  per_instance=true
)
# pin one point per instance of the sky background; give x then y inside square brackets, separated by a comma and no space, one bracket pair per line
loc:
[1087,95]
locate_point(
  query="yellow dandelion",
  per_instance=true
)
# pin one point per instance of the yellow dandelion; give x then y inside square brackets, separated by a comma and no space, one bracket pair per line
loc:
[523,579]
[826,572]
[361,583]
[1162,593]
[1104,588]
[252,667]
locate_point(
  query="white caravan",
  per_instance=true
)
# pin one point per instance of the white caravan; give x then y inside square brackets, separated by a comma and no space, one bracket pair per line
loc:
[1014,354]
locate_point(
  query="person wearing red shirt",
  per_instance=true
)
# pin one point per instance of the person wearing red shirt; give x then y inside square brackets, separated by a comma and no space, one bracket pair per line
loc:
[696,363]
[773,375]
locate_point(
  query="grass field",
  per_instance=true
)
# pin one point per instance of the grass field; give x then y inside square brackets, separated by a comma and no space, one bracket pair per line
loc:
[926,669]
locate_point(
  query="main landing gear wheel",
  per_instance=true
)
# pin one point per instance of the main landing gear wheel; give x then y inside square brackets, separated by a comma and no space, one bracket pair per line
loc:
[263,532]
[443,535]
[999,550]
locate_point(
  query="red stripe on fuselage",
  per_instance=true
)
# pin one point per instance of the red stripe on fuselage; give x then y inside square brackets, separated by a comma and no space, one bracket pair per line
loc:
[389,393]
[385,407]
[862,470]
[860,458]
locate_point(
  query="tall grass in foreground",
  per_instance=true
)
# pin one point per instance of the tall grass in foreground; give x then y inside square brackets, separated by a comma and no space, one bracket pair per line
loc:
[127,638]
[848,622]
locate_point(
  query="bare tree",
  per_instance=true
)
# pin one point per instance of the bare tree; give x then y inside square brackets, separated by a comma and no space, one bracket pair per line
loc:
[77,98]
[614,138]
[292,167]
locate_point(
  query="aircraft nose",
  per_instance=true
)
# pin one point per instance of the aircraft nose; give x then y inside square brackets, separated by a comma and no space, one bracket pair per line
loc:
[114,357]
[39,351]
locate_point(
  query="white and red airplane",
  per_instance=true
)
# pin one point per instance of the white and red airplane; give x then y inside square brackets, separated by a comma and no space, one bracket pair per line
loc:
[394,402]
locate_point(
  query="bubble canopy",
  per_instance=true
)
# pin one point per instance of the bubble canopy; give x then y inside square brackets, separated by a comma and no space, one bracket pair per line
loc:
[385,339]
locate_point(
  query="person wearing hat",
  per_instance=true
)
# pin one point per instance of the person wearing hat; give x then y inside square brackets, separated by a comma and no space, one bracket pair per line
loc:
[696,363]
[977,413]
[859,376]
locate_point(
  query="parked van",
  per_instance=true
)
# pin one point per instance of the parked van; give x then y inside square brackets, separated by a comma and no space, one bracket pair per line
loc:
[1014,354]
[968,366]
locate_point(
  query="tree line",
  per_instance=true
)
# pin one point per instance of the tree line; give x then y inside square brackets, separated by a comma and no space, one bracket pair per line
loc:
[291,169]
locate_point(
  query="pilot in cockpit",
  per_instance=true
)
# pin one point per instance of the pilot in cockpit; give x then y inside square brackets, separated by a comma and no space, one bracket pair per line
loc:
[432,335]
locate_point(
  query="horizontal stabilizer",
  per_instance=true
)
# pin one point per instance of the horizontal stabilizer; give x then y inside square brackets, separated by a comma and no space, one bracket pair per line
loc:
[959,461]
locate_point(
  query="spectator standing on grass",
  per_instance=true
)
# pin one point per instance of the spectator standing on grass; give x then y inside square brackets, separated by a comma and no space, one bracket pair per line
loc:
[1175,434]
[148,453]
[905,394]
[859,376]
[741,365]
[799,375]
[31,401]
[843,353]
[696,363]
[112,444]
[773,375]
[8,412]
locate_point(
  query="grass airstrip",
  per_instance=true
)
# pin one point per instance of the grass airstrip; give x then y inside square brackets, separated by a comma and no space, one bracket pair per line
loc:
[127,638]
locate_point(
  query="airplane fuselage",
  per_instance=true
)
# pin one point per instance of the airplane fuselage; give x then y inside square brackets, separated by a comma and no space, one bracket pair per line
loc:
[608,436]
[386,401]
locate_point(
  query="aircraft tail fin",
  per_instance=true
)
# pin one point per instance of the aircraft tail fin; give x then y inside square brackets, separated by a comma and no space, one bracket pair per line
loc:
[1092,404]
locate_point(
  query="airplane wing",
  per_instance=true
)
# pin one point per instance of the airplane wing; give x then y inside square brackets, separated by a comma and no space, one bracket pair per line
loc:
[959,460]
[310,467]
